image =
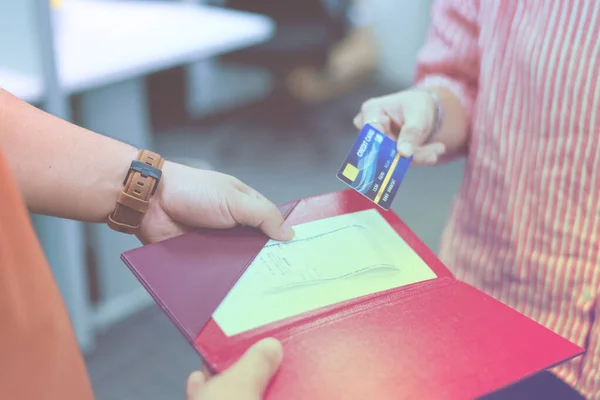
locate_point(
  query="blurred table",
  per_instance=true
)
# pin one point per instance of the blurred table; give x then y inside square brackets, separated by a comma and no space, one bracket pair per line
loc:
[104,49]
[103,42]
[99,43]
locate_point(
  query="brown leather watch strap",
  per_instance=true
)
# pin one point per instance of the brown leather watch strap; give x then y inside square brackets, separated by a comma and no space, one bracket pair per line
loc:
[133,201]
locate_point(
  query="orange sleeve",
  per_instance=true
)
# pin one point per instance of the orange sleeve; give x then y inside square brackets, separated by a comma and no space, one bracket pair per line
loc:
[39,354]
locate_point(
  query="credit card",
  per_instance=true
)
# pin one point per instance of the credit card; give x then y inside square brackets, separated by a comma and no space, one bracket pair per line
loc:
[374,168]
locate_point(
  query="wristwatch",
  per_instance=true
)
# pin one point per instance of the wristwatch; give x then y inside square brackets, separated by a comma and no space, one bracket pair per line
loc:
[139,186]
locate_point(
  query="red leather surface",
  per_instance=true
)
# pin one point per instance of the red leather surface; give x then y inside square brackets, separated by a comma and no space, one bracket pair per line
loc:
[331,205]
[188,276]
[441,339]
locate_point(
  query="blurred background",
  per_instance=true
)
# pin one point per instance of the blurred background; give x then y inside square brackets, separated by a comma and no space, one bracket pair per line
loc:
[261,89]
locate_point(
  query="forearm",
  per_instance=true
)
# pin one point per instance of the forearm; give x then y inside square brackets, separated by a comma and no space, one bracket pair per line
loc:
[449,62]
[62,170]
[455,125]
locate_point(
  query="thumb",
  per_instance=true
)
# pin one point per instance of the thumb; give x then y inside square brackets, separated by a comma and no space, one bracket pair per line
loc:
[253,372]
[412,134]
[195,381]
[255,210]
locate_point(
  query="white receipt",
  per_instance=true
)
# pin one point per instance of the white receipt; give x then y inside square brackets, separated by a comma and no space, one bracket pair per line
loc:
[329,261]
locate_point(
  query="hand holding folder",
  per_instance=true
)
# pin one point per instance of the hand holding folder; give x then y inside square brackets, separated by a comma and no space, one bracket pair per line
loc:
[247,379]
[394,324]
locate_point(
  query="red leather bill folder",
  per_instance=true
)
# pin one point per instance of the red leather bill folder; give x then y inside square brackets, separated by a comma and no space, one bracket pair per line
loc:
[436,339]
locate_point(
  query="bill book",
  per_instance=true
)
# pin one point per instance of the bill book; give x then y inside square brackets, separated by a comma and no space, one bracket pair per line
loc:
[363,308]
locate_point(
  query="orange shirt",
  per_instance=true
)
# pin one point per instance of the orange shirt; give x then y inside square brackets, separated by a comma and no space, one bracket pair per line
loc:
[39,355]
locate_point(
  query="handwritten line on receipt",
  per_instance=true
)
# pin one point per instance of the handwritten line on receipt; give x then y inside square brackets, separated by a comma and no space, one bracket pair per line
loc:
[323,280]
[318,236]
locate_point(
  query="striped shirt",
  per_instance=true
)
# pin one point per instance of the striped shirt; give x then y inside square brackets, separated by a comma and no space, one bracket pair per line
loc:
[525,224]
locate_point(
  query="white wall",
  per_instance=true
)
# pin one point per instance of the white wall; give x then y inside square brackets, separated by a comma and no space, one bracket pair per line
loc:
[400,26]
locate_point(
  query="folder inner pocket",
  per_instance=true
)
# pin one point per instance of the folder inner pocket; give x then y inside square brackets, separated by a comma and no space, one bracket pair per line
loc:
[330,260]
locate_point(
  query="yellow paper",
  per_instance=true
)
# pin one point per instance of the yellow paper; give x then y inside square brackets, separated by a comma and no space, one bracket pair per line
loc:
[329,261]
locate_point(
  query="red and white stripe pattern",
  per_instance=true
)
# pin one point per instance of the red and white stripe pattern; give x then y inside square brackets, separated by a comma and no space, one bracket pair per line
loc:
[525,224]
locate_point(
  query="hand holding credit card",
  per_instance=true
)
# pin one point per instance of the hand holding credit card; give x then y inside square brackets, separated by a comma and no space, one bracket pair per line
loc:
[374,168]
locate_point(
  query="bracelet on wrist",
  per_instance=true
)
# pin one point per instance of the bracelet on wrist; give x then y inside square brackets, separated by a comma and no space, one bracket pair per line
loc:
[438,113]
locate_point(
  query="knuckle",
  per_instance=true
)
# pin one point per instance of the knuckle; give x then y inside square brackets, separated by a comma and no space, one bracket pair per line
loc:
[224,210]
[234,180]
[271,209]
[370,103]
[412,131]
